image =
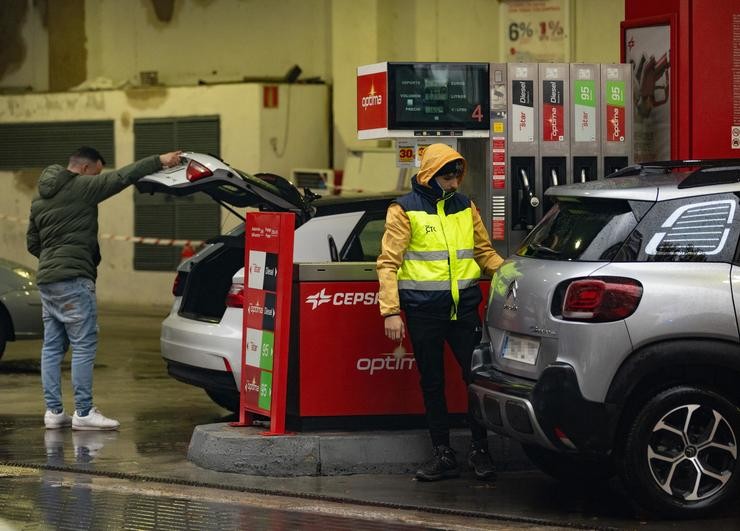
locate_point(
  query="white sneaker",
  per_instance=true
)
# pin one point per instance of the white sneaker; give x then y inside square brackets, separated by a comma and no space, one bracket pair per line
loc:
[94,420]
[53,421]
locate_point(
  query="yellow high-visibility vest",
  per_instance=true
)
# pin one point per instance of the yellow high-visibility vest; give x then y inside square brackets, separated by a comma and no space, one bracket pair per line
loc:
[440,254]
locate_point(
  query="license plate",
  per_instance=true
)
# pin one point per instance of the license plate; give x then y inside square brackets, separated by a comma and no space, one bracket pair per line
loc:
[521,349]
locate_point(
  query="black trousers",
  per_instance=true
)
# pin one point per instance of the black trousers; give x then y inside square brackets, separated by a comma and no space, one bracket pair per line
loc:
[428,337]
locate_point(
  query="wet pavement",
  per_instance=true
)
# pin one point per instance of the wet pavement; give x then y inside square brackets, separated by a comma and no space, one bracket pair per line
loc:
[139,477]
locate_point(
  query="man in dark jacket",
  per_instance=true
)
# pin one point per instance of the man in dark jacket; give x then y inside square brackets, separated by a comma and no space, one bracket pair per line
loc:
[63,235]
[433,251]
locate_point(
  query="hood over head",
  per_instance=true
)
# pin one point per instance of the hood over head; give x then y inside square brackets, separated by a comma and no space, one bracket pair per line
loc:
[52,179]
[434,158]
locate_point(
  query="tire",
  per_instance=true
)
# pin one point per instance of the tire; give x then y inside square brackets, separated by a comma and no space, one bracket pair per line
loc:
[224,399]
[570,468]
[680,457]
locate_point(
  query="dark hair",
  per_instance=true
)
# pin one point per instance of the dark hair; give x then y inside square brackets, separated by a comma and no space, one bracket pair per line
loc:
[89,153]
[454,166]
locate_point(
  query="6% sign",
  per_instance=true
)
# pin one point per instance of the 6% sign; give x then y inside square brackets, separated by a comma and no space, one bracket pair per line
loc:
[550,29]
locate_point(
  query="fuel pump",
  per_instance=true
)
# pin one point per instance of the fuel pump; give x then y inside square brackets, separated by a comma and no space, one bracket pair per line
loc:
[522,128]
[616,145]
[585,122]
[555,126]
[525,176]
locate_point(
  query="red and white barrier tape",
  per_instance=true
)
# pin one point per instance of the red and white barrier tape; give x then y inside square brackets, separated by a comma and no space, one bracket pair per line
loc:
[340,188]
[151,241]
[132,239]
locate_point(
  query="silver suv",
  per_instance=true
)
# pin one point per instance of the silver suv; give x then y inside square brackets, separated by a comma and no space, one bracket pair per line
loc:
[612,336]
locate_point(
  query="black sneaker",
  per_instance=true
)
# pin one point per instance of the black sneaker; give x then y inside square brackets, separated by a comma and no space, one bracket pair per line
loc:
[442,466]
[479,460]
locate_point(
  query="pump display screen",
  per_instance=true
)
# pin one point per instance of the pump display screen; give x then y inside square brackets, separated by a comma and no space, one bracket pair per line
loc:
[438,96]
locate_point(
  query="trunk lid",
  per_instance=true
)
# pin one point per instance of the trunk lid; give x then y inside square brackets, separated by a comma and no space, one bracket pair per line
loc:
[226,185]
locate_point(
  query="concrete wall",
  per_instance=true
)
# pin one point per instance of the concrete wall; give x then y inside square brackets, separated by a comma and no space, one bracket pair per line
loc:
[24,47]
[246,130]
[210,40]
[596,38]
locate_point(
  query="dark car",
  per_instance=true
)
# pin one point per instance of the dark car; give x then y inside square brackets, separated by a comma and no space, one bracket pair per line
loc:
[20,304]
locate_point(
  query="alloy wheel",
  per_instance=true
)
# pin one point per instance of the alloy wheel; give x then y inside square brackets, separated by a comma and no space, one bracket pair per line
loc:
[692,452]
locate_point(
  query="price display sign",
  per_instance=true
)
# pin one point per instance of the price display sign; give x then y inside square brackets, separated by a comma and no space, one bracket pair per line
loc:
[535,31]
[268,266]
[438,96]
[406,154]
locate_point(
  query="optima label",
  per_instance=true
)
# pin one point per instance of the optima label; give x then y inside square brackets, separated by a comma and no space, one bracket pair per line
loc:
[553,115]
[615,122]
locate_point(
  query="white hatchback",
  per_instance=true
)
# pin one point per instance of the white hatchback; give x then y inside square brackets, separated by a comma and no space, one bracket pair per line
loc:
[201,337]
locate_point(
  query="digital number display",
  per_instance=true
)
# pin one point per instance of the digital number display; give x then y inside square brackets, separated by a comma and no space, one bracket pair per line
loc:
[438,96]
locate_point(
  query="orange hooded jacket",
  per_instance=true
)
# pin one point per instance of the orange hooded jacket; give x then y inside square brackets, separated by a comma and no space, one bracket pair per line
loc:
[398,233]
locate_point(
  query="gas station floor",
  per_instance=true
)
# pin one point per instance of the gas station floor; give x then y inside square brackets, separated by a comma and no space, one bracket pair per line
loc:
[139,477]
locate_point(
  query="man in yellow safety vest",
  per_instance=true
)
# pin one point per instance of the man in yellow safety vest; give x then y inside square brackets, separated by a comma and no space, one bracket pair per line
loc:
[434,248]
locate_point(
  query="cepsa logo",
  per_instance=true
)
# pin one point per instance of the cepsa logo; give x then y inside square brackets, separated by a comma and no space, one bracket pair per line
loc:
[342,298]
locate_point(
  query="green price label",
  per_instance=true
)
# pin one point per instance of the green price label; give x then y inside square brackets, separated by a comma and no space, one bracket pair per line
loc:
[584,92]
[266,352]
[615,93]
[265,398]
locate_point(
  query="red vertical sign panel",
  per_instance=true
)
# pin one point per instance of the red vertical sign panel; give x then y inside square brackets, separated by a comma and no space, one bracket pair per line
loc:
[268,271]
[372,101]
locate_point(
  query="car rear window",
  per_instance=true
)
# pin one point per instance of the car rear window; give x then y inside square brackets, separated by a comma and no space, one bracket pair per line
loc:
[694,229]
[581,229]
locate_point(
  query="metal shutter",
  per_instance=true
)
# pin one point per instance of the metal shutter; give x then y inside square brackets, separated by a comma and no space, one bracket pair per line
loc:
[39,144]
[195,217]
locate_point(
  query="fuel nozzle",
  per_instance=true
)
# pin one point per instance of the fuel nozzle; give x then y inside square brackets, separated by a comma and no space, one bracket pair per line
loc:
[533,201]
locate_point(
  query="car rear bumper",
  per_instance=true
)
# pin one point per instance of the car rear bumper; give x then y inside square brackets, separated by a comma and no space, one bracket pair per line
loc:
[222,381]
[550,412]
[202,345]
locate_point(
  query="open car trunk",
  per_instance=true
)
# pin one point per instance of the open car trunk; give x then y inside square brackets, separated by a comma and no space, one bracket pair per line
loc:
[207,281]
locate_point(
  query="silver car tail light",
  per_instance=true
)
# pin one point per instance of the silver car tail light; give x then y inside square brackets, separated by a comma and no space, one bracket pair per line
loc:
[601,299]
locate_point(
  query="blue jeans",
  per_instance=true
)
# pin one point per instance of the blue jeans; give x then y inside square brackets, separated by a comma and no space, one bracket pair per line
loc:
[70,318]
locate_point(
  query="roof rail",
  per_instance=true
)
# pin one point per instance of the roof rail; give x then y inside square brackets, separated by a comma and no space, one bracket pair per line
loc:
[726,174]
[665,166]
